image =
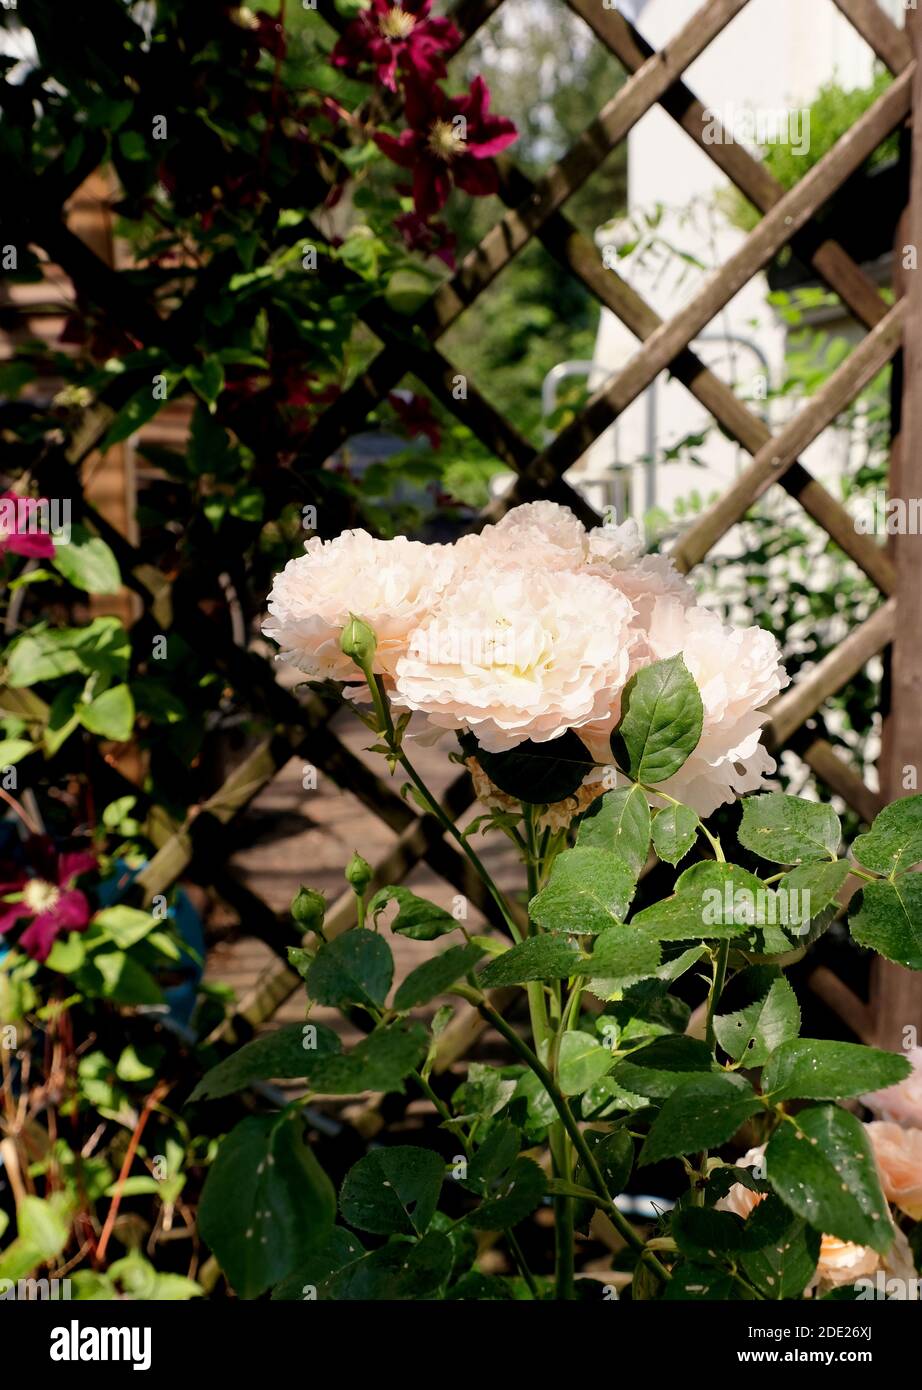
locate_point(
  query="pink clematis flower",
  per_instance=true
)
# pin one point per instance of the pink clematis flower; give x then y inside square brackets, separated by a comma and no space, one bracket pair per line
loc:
[416,417]
[431,238]
[389,35]
[19,533]
[51,903]
[448,140]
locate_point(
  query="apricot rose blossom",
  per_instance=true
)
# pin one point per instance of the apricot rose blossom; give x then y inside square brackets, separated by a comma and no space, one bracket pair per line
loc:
[529,629]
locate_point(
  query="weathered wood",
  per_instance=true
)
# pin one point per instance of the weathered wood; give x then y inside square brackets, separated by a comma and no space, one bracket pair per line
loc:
[877,28]
[777,455]
[776,228]
[751,176]
[796,705]
[896,994]
[831,768]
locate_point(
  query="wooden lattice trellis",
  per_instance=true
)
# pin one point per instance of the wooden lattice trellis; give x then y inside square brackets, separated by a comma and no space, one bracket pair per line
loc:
[536,210]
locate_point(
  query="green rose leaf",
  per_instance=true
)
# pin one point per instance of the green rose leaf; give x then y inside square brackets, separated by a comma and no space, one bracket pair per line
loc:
[807,891]
[702,1233]
[494,1158]
[674,832]
[582,1061]
[436,976]
[290,1051]
[536,773]
[400,1271]
[266,1202]
[811,1069]
[393,1191]
[788,830]
[355,968]
[701,1113]
[341,1248]
[87,563]
[614,1153]
[619,822]
[889,920]
[416,918]
[621,956]
[894,842]
[749,1035]
[516,1194]
[714,902]
[537,958]
[661,717]
[781,1251]
[379,1062]
[660,1067]
[587,890]
[822,1167]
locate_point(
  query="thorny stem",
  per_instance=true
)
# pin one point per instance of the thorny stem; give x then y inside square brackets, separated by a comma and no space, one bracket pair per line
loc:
[717,985]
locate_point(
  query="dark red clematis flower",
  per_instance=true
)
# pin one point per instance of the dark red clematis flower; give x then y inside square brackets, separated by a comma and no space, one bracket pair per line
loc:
[416,417]
[18,523]
[431,238]
[51,904]
[397,33]
[448,140]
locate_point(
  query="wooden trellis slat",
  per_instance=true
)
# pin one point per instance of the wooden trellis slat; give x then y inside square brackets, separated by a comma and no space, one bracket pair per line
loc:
[747,173]
[779,452]
[776,228]
[877,28]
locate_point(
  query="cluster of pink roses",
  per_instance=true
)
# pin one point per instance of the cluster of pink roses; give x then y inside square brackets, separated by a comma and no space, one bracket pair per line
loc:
[448,140]
[529,629]
[896,1141]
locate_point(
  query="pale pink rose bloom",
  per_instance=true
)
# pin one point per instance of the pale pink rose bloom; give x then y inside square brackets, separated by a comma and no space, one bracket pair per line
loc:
[898,1153]
[518,654]
[549,535]
[392,585]
[901,1103]
[737,671]
[555,539]
[617,553]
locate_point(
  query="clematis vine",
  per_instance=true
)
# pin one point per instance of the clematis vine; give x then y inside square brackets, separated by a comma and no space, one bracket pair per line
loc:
[388,36]
[448,141]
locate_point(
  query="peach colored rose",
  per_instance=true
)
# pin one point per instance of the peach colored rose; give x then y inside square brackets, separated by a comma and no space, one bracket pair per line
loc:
[616,553]
[840,1261]
[737,671]
[901,1103]
[898,1153]
[516,654]
[393,585]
